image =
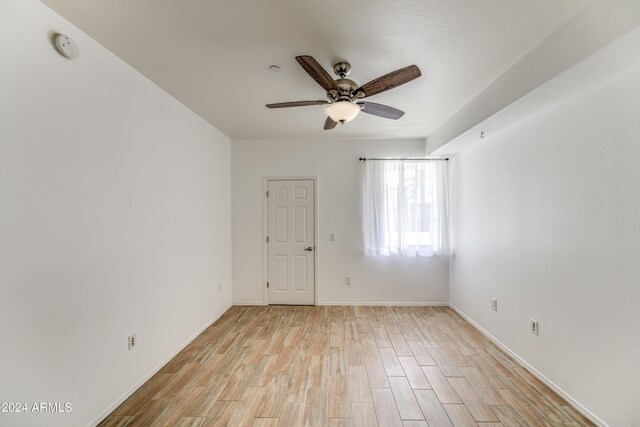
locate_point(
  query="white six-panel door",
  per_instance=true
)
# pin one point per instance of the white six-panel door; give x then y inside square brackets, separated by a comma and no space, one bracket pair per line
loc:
[291,241]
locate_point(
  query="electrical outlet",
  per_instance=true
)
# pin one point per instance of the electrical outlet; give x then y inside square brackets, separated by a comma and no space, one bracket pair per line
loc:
[132,341]
[494,304]
[347,280]
[219,287]
[332,237]
[534,327]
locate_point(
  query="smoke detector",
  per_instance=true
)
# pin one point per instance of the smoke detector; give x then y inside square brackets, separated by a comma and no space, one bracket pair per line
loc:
[65,46]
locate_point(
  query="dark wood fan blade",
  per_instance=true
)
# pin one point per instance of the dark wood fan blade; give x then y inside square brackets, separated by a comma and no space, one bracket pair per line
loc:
[316,71]
[391,80]
[329,123]
[296,104]
[381,110]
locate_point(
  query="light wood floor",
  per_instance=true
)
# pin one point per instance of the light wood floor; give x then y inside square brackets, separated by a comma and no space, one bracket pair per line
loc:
[343,366]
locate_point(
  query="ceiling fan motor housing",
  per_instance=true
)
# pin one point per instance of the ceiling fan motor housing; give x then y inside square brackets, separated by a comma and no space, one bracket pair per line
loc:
[346,87]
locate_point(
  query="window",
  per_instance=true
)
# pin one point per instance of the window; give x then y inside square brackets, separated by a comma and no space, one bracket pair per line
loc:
[405,208]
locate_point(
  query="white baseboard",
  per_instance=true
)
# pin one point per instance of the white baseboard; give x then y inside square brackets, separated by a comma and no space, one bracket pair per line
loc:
[153,371]
[389,303]
[584,411]
[376,303]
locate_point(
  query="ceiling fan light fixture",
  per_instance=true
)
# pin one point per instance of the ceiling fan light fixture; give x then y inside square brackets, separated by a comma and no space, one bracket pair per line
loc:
[342,111]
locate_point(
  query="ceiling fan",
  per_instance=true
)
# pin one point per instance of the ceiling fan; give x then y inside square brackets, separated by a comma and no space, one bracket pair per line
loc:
[345,96]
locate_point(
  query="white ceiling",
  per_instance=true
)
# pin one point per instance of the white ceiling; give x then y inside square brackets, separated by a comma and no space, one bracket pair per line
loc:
[213,55]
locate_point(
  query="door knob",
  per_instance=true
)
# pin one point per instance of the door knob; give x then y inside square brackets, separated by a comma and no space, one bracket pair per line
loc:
[309,249]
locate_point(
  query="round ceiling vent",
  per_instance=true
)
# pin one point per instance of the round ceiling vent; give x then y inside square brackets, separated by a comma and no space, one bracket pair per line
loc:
[65,46]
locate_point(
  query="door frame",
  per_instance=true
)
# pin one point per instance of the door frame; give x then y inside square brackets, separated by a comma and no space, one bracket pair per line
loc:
[265,232]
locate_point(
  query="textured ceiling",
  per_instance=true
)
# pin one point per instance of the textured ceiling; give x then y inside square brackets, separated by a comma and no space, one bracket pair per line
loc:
[214,56]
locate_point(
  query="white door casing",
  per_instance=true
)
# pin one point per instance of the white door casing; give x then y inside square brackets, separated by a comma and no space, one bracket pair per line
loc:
[291,241]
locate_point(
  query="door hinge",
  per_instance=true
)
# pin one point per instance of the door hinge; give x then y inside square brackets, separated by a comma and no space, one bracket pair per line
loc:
[267,285]
[267,239]
[267,193]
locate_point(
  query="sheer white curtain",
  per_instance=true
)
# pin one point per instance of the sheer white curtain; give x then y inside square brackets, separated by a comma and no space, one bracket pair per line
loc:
[405,208]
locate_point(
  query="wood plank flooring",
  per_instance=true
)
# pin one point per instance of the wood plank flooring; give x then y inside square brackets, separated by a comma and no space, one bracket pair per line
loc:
[279,366]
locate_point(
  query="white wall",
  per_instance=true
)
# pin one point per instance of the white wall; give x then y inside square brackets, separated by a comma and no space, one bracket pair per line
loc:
[335,163]
[560,66]
[114,219]
[548,222]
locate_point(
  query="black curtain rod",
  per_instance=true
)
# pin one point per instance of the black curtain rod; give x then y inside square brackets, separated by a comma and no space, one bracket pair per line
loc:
[364,159]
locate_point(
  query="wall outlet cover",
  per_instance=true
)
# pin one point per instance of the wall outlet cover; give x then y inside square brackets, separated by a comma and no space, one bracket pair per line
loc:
[131,340]
[535,328]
